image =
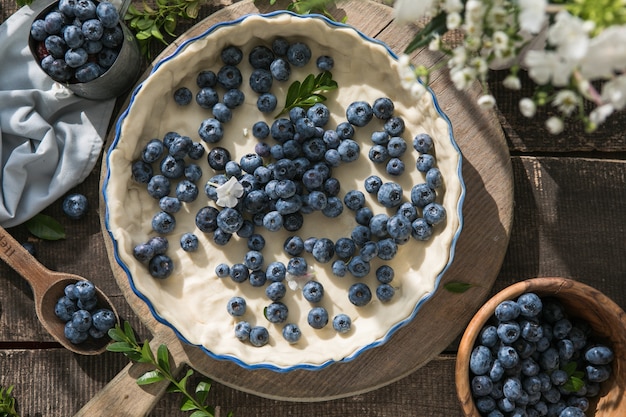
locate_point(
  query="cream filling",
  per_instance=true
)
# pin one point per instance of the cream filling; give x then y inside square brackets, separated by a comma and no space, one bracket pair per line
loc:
[193,299]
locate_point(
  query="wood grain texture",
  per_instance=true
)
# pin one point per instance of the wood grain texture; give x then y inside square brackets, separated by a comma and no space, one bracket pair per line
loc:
[487,220]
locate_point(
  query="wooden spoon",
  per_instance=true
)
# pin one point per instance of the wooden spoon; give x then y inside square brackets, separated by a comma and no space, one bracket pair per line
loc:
[48,286]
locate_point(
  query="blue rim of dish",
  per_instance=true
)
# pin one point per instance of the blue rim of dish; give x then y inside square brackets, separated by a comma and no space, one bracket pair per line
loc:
[270,366]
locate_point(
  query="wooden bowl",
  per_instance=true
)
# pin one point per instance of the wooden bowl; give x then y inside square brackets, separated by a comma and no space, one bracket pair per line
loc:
[606,318]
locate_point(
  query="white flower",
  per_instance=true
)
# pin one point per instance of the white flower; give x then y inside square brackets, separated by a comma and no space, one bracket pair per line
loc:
[500,41]
[555,125]
[407,74]
[459,57]
[546,66]
[569,35]
[532,15]
[474,11]
[614,92]
[296,282]
[417,90]
[600,113]
[527,107]
[407,11]
[229,193]
[435,43]
[566,101]
[497,18]
[606,54]
[512,82]
[452,6]
[486,101]
[462,77]
[453,20]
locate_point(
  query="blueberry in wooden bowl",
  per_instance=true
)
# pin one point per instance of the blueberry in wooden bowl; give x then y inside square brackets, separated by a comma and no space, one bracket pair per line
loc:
[544,346]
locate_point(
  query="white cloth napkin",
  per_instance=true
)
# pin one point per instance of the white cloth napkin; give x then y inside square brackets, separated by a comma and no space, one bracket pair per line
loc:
[50,139]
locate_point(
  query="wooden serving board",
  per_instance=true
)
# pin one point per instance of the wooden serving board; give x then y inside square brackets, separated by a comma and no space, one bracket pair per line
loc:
[480,250]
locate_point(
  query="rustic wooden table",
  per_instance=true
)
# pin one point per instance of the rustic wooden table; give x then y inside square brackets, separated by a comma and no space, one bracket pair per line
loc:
[568,220]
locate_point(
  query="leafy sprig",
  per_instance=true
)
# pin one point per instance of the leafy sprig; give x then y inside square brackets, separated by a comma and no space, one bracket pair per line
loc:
[7,403]
[575,381]
[45,227]
[308,92]
[126,343]
[154,24]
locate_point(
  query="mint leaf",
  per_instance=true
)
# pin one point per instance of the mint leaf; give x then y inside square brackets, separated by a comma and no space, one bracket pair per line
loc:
[308,92]
[45,227]
[457,287]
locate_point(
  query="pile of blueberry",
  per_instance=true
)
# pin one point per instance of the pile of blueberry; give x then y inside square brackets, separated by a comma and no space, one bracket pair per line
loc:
[78,40]
[289,175]
[83,318]
[532,359]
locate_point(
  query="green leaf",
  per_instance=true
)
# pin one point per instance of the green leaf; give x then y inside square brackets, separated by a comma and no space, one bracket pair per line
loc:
[144,23]
[150,377]
[170,25]
[146,352]
[45,227]
[308,92]
[202,391]
[116,334]
[130,333]
[436,25]
[120,347]
[183,381]
[457,287]
[574,384]
[163,358]
[200,413]
[570,368]
[188,405]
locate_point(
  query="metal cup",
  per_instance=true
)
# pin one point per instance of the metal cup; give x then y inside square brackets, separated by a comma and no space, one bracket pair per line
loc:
[118,78]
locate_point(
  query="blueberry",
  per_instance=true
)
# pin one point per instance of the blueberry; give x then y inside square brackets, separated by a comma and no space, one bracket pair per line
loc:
[378,225]
[318,114]
[298,54]
[218,157]
[559,377]
[372,184]
[222,112]
[103,319]
[339,268]
[275,291]
[425,162]
[186,191]
[189,242]
[325,63]
[381,138]
[422,143]
[481,385]
[172,167]
[332,187]
[261,57]
[532,331]
[56,46]
[314,149]
[152,151]
[331,139]
[549,359]
[345,247]
[561,328]
[231,55]
[233,98]
[67,7]
[222,270]
[229,77]
[113,38]
[422,195]
[266,103]
[530,305]
[179,146]
[253,260]
[106,57]
[598,373]
[291,333]
[280,69]
[53,22]
[508,356]
[507,310]
[317,317]
[65,308]
[345,130]
[297,266]
[89,304]
[512,388]
[38,31]
[73,36]
[282,130]
[211,130]
[359,294]
[383,108]
[247,230]
[273,221]
[93,29]
[59,70]
[236,306]
[434,178]
[313,291]
[317,200]
[378,154]
[143,252]
[342,323]
[280,46]
[73,335]
[206,219]
[396,147]
[359,113]
[75,206]
[207,97]
[259,336]
[229,220]
[390,194]
[385,292]
[434,213]
[363,216]
[206,78]
[107,13]
[260,130]
[508,331]
[552,311]
[394,126]
[242,331]
[294,245]
[193,172]
[399,227]
[481,360]
[276,271]
[160,244]
[85,9]
[239,273]
[163,223]
[88,72]
[599,355]
[572,411]
[497,371]
[261,81]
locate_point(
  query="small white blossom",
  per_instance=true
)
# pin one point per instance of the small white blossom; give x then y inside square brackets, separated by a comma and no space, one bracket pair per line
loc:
[606,54]
[417,90]
[554,125]
[452,6]
[407,74]
[462,77]
[408,11]
[500,40]
[600,113]
[459,57]
[498,18]
[566,101]
[547,66]
[435,43]
[512,82]
[614,92]
[486,101]
[296,282]
[527,107]
[229,193]
[474,11]
[569,36]
[532,15]
[453,20]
